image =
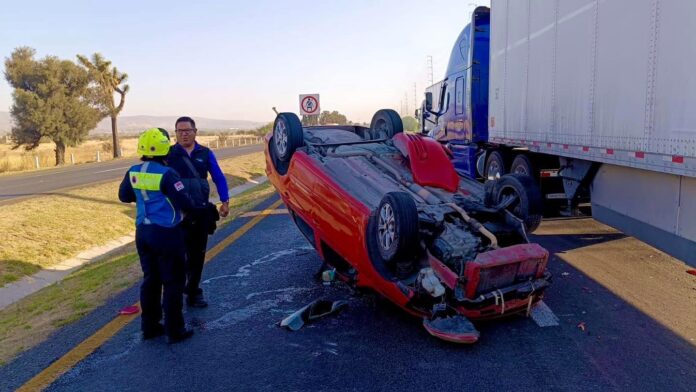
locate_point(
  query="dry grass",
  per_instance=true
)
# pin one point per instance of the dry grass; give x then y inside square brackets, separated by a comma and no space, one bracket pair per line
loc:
[46,230]
[21,160]
[32,320]
[240,171]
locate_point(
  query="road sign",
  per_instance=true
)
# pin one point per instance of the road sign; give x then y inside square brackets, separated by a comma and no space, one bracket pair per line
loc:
[309,104]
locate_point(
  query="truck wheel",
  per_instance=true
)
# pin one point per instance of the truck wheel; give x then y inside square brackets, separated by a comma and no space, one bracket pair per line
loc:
[288,135]
[395,227]
[523,165]
[524,198]
[495,165]
[385,124]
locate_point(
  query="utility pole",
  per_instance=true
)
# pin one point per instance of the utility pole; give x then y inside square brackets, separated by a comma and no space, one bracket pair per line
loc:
[415,102]
[405,113]
[429,61]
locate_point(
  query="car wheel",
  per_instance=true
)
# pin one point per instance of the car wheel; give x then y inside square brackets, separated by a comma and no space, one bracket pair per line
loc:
[495,165]
[385,124]
[288,135]
[396,226]
[523,165]
[521,197]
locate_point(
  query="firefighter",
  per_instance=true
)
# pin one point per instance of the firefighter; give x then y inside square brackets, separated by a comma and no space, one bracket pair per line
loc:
[194,162]
[161,200]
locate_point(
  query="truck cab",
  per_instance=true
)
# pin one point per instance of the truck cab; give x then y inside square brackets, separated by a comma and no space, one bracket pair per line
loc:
[455,110]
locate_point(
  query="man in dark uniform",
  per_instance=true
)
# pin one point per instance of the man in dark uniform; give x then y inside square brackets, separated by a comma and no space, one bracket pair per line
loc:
[193,162]
[160,198]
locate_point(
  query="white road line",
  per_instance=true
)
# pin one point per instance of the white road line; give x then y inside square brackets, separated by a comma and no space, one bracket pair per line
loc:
[543,316]
[108,170]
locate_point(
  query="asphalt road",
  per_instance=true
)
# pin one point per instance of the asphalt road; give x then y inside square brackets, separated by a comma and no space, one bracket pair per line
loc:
[637,335]
[15,187]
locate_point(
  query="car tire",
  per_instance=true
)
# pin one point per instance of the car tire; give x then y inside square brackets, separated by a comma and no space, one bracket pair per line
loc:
[385,124]
[523,165]
[495,165]
[288,135]
[489,193]
[528,207]
[396,227]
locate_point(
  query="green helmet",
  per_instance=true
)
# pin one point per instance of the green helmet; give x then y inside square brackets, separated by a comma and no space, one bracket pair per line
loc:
[153,143]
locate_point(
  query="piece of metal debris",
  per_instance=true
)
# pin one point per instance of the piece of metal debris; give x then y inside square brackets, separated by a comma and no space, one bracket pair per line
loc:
[311,312]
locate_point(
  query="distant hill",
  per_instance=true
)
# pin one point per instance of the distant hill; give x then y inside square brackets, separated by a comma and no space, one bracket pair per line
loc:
[133,124]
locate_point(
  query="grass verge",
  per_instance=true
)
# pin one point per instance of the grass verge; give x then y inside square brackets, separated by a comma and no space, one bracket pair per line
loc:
[30,321]
[43,231]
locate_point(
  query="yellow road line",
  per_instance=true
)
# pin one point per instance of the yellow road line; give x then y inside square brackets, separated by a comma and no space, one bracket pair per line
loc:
[47,376]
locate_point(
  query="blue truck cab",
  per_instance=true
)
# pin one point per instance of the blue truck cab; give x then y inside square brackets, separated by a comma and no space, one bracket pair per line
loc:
[455,110]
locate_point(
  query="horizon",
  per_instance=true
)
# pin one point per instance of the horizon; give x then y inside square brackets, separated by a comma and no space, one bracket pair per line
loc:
[235,61]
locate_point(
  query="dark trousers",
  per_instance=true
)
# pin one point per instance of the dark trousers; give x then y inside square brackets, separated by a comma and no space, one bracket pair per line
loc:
[162,258]
[196,239]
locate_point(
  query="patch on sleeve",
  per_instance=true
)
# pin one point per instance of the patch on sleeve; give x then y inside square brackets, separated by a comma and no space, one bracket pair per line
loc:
[178,186]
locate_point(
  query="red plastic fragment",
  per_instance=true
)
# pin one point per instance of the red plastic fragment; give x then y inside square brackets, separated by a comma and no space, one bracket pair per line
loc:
[691,272]
[446,275]
[133,309]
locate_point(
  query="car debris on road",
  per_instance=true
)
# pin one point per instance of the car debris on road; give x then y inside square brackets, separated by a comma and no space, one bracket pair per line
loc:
[315,310]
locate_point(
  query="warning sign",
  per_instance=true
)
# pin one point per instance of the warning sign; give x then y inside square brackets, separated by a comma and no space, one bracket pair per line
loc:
[309,104]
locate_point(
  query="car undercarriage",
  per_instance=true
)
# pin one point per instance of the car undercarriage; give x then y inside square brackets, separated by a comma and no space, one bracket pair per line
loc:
[456,249]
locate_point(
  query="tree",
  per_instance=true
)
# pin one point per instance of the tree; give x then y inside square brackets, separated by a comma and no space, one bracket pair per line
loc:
[51,99]
[109,81]
[334,117]
[263,130]
[410,124]
[310,120]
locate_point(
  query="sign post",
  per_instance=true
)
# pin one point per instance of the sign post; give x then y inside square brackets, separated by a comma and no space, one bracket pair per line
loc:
[309,105]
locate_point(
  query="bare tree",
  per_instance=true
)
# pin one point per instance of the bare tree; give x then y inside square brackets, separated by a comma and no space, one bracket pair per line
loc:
[110,82]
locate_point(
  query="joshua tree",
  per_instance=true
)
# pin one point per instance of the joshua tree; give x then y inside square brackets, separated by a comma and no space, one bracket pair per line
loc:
[109,82]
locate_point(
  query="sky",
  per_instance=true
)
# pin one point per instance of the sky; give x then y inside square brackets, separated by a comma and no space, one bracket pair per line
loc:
[236,60]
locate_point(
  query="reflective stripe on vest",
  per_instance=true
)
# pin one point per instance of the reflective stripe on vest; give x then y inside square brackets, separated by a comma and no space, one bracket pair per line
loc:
[146,181]
[153,207]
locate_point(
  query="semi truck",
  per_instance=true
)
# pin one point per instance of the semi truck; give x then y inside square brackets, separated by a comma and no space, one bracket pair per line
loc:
[595,99]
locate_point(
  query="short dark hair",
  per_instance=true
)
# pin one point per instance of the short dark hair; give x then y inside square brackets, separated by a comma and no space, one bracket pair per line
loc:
[185,119]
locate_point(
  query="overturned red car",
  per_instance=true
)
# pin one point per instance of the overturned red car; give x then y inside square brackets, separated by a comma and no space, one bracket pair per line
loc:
[388,211]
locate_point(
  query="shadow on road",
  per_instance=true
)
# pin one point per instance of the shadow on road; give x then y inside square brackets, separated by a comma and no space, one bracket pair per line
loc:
[567,242]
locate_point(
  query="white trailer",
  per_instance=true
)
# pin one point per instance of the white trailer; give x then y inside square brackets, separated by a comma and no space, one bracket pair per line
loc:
[609,86]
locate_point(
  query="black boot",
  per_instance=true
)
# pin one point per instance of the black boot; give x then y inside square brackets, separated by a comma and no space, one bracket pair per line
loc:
[156,331]
[196,301]
[181,336]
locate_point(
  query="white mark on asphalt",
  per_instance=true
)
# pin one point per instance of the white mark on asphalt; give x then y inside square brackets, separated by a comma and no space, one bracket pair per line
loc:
[99,358]
[245,270]
[543,316]
[245,313]
[252,295]
[110,170]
